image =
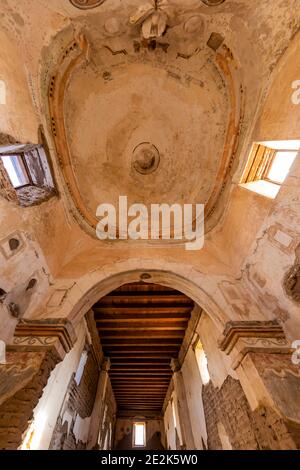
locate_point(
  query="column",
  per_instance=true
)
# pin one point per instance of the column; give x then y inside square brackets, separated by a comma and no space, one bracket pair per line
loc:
[35,349]
[183,411]
[98,410]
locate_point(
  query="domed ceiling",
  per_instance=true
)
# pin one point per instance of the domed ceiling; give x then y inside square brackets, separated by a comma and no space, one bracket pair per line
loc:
[146,99]
[145,107]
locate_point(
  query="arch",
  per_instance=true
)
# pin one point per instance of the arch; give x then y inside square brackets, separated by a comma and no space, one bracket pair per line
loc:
[91,287]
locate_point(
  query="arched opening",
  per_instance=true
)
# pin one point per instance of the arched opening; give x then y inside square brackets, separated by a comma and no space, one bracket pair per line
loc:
[183,278]
[146,353]
[141,328]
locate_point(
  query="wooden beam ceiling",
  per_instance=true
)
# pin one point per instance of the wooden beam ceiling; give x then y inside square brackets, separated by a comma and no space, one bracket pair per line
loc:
[141,327]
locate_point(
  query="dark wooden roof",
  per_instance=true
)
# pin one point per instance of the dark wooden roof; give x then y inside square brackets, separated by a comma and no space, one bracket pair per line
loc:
[141,327]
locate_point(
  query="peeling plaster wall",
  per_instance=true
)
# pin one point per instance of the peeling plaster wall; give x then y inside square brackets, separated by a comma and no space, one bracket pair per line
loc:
[170,430]
[24,277]
[220,414]
[219,370]
[193,387]
[218,363]
[48,408]
[270,258]
[231,423]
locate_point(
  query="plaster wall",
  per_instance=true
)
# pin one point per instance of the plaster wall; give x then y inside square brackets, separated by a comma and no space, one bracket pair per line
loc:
[193,387]
[48,408]
[169,426]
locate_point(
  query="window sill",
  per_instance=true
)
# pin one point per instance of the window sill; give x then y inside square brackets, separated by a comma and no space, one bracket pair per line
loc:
[262,187]
[33,195]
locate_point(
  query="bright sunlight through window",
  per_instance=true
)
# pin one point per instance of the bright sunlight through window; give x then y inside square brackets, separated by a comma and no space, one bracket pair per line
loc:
[202,363]
[15,170]
[174,414]
[139,434]
[281,166]
[268,165]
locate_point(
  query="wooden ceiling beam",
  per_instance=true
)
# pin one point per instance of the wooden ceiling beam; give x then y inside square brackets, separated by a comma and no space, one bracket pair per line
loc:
[141,327]
[140,385]
[136,327]
[136,388]
[150,342]
[140,374]
[130,392]
[142,333]
[137,363]
[139,356]
[145,310]
[141,317]
[143,299]
[135,409]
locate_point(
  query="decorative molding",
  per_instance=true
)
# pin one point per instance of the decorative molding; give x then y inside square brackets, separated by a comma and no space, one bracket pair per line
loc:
[284,372]
[213,3]
[258,329]
[240,338]
[86,4]
[7,250]
[78,53]
[34,340]
[73,56]
[283,238]
[57,333]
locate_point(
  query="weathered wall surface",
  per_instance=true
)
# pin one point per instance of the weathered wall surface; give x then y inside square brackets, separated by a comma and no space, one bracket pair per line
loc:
[219,366]
[23,379]
[193,386]
[72,426]
[155,435]
[273,250]
[18,117]
[170,429]
[49,406]
[24,276]
[243,429]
